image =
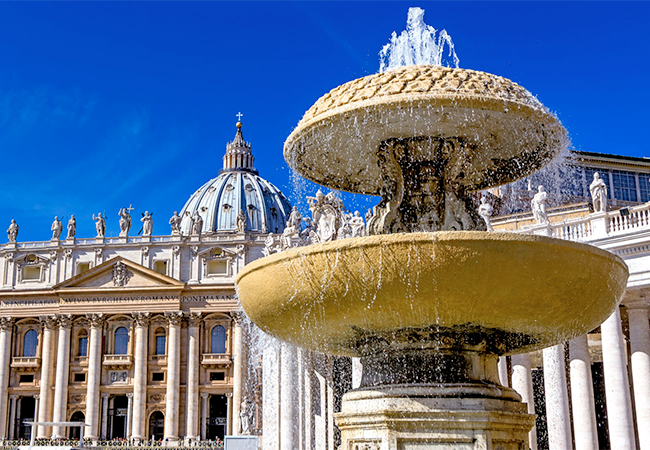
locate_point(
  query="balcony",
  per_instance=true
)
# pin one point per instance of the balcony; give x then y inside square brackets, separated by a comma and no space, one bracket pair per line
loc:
[81,360]
[214,360]
[118,361]
[25,363]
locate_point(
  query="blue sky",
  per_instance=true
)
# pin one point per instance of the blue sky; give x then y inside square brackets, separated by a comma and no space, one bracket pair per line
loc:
[108,104]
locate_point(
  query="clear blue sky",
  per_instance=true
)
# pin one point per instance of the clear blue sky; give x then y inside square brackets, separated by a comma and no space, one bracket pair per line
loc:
[106,104]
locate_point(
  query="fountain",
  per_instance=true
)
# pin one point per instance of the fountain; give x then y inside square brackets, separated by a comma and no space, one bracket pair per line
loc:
[429,301]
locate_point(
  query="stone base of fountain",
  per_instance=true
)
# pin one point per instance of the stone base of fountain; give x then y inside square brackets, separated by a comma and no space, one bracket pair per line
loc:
[450,417]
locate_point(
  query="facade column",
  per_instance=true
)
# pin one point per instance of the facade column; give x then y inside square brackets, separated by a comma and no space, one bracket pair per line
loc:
[62,375]
[229,413]
[557,399]
[238,364]
[47,358]
[105,398]
[640,360]
[94,375]
[6,329]
[141,321]
[204,414]
[12,416]
[503,371]
[585,428]
[192,423]
[174,319]
[522,382]
[129,413]
[288,394]
[617,387]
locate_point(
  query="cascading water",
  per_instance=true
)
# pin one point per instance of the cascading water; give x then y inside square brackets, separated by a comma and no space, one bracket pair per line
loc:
[418,44]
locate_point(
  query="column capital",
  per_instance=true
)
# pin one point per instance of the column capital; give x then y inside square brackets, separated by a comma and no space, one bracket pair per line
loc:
[64,320]
[229,394]
[174,317]
[141,319]
[238,316]
[13,397]
[6,322]
[129,395]
[105,395]
[637,299]
[36,397]
[96,320]
[204,395]
[194,319]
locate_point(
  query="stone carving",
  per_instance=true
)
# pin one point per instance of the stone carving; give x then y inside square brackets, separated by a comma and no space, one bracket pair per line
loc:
[6,323]
[67,253]
[12,231]
[598,190]
[366,445]
[147,224]
[196,223]
[176,249]
[72,227]
[95,320]
[64,320]
[538,204]
[245,417]
[145,250]
[175,223]
[125,221]
[241,221]
[326,213]
[56,228]
[47,322]
[485,210]
[141,319]
[98,252]
[157,397]
[77,398]
[238,316]
[295,219]
[194,319]
[53,254]
[357,225]
[270,246]
[121,274]
[100,225]
[119,377]
[174,317]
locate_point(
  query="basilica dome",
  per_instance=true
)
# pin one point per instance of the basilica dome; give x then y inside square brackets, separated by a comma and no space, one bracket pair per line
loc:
[237,188]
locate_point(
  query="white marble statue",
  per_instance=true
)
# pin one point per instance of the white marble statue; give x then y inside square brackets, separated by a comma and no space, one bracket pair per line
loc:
[175,222]
[270,247]
[12,231]
[357,225]
[307,231]
[241,221]
[485,210]
[326,213]
[598,190]
[125,221]
[56,228]
[244,417]
[197,223]
[295,219]
[538,204]
[72,227]
[100,225]
[147,224]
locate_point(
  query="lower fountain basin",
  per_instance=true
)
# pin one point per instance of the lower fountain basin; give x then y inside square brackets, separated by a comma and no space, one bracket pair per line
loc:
[515,292]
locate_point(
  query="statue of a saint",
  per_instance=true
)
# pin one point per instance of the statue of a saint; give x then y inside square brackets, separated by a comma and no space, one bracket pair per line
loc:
[147,224]
[12,231]
[295,219]
[175,222]
[72,227]
[197,223]
[598,190]
[327,215]
[125,221]
[56,228]
[357,225]
[538,204]
[485,210]
[244,417]
[241,221]
[100,225]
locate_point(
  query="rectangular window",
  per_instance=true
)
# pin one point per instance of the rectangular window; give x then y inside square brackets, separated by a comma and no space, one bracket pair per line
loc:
[644,187]
[160,345]
[31,273]
[217,267]
[158,376]
[83,346]
[83,267]
[624,186]
[217,376]
[79,377]
[26,379]
[160,267]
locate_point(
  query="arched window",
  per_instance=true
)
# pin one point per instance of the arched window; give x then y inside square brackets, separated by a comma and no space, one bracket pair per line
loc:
[29,343]
[160,341]
[75,432]
[218,340]
[83,343]
[157,425]
[121,341]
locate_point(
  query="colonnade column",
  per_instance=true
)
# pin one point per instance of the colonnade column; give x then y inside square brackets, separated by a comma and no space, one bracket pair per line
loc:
[238,363]
[12,416]
[503,371]
[288,394]
[557,399]
[129,413]
[174,319]
[522,382]
[94,374]
[204,414]
[192,423]
[62,368]
[105,398]
[6,328]
[141,320]
[585,428]
[640,360]
[45,393]
[617,387]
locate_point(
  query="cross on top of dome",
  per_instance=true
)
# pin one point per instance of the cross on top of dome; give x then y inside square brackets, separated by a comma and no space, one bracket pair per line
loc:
[238,152]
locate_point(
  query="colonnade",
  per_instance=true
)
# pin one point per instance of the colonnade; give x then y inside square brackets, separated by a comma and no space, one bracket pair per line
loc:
[53,404]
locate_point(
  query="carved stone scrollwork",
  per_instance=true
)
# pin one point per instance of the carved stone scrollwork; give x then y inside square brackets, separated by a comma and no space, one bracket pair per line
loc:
[77,398]
[174,317]
[64,320]
[365,445]
[99,252]
[47,322]
[141,319]
[121,274]
[10,256]
[194,319]
[145,250]
[176,249]
[6,323]
[157,397]
[237,316]
[67,253]
[53,254]
[195,250]
[96,320]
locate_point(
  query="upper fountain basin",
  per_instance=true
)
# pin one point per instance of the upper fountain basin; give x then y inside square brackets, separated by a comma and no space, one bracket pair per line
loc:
[507,132]
[330,297]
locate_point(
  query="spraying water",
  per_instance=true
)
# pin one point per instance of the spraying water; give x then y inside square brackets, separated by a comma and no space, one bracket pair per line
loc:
[418,44]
